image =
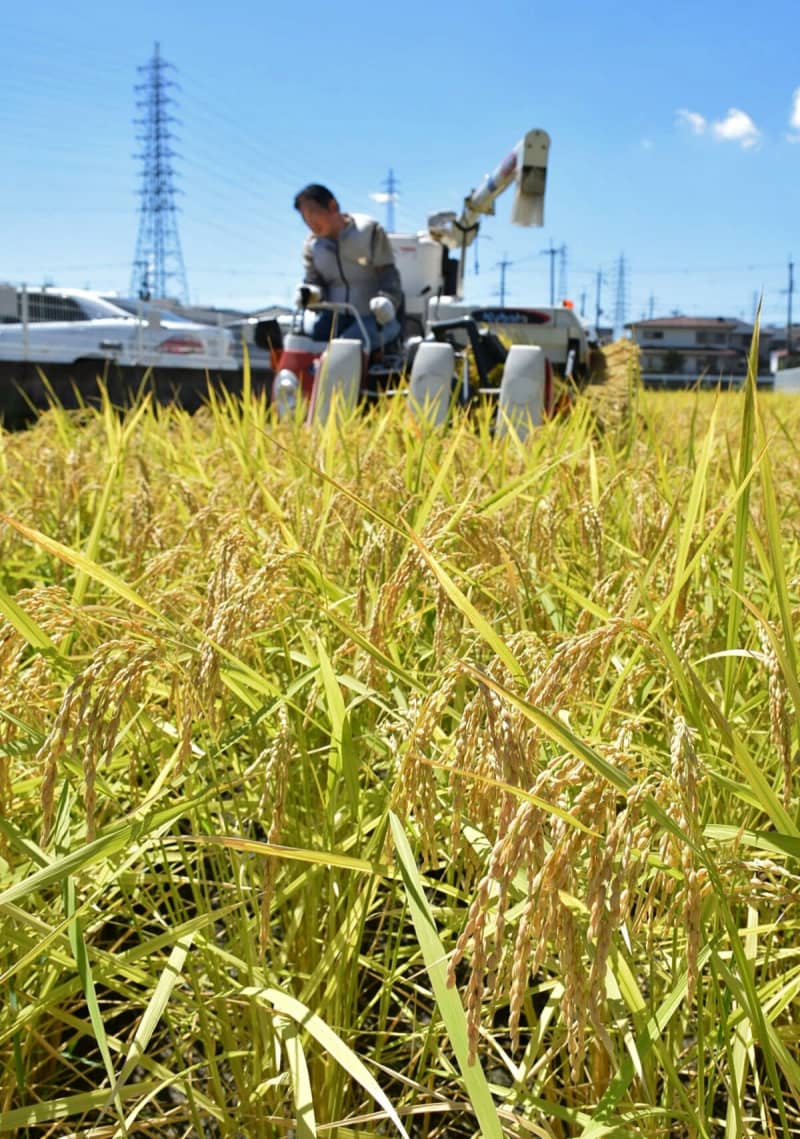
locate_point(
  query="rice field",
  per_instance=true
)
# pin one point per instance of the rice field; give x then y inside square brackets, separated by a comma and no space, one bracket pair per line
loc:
[371,780]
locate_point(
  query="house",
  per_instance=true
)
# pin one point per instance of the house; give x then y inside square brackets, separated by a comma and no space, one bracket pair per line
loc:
[784,346]
[681,351]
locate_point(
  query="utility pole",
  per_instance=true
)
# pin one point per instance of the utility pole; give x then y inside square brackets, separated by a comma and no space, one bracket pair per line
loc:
[651,306]
[158,258]
[479,237]
[789,291]
[621,303]
[598,312]
[551,253]
[503,265]
[562,272]
[583,302]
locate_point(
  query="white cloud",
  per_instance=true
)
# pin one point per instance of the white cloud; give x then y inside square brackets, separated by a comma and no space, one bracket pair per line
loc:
[695,122]
[794,120]
[794,117]
[737,126]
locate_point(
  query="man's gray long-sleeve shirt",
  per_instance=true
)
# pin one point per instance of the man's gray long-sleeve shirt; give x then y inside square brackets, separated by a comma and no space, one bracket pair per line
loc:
[356,267]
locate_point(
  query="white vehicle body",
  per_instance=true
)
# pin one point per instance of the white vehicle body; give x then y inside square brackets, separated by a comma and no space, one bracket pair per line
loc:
[786,369]
[423,265]
[64,326]
[560,332]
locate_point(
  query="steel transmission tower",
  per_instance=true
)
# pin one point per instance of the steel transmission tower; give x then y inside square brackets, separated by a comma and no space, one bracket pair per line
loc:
[158,262]
[389,196]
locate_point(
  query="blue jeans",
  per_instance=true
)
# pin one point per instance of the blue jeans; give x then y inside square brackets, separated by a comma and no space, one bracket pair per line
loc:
[324,325]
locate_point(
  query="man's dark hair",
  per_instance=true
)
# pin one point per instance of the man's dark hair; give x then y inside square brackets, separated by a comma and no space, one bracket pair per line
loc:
[313,192]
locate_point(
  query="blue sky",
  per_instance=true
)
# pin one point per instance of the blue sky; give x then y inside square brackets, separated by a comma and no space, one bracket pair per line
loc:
[675,141]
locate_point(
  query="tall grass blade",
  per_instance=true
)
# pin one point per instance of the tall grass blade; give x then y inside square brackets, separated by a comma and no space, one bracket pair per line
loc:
[447,999]
[154,1011]
[343,756]
[56,1110]
[648,1038]
[29,630]
[79,950]
[692,516]
[82,564]
[117,440]
[740,1049]
[747,437]
[91,853]
[295,1010]
[776,561]
[289,1034]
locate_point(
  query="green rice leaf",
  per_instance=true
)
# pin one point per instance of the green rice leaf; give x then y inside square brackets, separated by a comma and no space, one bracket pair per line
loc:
[118,441]
[66,1107]
[28,629]
[154,1011]
[290,853]
[772,842]
[82,564]
[289,1033]
[639,1047]
[295,1010]
[343,754]
[692,516]
[447,999]
[104,847]
[744,474]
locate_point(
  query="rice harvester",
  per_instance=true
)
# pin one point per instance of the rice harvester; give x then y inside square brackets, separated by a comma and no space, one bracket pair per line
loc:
[441,334]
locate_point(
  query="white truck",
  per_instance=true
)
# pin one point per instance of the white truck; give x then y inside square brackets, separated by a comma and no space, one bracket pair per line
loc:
[433,278]
[69,344]
[63,326]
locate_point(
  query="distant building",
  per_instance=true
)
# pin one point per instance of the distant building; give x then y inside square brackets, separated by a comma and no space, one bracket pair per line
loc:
[680,351]
[783,349]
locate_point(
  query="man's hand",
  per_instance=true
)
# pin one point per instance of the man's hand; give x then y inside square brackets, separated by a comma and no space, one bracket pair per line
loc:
[382,309]
[307,295]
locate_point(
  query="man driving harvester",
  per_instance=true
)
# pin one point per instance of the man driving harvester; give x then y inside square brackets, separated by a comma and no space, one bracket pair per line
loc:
[348,257]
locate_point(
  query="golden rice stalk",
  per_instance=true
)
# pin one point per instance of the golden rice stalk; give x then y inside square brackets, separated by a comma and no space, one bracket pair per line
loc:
[416,790]
[89,717]
[615,380]
[779,719]
[278,761]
